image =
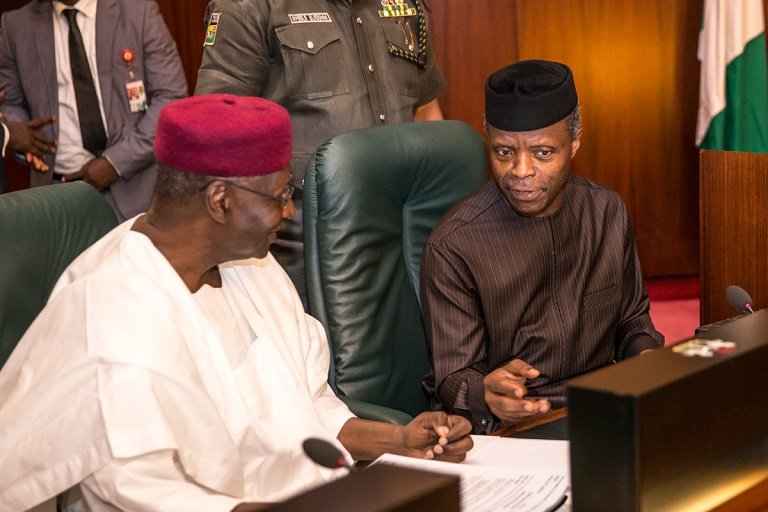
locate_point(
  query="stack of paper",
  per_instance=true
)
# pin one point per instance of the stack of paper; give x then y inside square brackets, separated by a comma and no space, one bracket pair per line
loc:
[507,475]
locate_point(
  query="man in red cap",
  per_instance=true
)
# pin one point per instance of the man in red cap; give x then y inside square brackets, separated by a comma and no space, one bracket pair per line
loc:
[188,374]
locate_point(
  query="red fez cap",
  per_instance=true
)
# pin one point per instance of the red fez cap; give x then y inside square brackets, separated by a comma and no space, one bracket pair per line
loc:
[224,135]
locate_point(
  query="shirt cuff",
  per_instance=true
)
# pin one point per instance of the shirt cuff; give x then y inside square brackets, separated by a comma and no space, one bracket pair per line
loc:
[483,421]
[640,344]
[6,138]
[113,165]
[469,385]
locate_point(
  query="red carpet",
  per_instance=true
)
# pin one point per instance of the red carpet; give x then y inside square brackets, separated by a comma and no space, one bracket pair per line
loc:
[673,289]
[674,306]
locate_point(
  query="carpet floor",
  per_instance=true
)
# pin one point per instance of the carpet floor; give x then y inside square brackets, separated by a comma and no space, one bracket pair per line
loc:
[674,306]
[675,319]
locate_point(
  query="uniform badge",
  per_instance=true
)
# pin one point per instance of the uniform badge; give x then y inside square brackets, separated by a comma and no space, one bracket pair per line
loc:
[310,17]
[137,96]
[413,49]
[396,9]
[213,26]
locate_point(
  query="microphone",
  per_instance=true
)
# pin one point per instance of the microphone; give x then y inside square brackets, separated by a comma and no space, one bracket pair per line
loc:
[325,454]
[739,299]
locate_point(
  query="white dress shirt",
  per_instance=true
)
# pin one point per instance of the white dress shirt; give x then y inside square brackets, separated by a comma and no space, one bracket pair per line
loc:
[70,153]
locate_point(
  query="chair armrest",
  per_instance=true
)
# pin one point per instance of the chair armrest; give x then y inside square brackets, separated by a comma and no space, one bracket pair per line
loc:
[375,412]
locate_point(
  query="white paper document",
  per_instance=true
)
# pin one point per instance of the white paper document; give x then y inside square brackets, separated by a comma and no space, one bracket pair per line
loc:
[517,453]
[508,475]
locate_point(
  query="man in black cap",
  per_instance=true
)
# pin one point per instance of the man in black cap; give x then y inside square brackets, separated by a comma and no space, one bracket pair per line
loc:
[534,279]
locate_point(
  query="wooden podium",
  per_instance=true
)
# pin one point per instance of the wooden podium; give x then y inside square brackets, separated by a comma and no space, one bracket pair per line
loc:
[379,488]
[680,428]
[733,204]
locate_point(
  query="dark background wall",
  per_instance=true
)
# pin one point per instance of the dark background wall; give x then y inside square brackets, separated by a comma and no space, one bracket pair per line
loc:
[636,71]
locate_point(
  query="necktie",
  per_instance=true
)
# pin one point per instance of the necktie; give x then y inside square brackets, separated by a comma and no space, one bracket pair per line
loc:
[91,125]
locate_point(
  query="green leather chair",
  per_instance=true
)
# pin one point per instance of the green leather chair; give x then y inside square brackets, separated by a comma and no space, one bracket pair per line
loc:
[371,199]
[42,230]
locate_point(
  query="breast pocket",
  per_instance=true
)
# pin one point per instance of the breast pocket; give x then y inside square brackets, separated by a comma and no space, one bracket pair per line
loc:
[401,35]
[601,312]
[601,301]
[311,52]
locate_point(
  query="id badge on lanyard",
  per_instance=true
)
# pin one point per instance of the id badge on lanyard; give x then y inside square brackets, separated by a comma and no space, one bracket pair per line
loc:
[134,89]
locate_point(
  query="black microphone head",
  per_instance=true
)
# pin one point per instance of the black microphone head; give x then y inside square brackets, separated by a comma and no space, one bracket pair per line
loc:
[739,299]
[324,453]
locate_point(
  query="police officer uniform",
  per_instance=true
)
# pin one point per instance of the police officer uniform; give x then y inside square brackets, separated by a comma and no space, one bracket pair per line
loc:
[336,65]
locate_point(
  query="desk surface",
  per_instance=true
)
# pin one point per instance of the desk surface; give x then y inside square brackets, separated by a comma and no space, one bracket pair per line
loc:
[550,425]
[554,430]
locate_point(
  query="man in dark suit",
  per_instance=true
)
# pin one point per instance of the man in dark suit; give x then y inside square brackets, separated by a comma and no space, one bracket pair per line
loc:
[134,69]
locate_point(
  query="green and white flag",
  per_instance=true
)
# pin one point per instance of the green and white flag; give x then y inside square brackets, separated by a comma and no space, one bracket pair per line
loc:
[733,95]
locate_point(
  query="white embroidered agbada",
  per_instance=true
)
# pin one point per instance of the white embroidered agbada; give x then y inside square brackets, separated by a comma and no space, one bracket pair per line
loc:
[123,363]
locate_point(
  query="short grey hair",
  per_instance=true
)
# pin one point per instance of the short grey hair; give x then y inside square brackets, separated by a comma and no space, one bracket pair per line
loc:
[176,187]
[573,122]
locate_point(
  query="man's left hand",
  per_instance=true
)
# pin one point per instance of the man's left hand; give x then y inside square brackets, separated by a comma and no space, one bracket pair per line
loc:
[98,173]
[438,435]
[28,137]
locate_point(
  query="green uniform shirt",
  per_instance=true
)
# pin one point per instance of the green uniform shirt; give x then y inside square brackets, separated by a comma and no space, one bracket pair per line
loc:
[336,65]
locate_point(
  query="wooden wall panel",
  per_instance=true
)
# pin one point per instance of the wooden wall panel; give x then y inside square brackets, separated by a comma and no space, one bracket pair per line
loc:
[734,231]
[639,116]
[186,23]
[471,42]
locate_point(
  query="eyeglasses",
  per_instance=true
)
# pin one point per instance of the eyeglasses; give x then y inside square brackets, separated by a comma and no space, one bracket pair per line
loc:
[285,196]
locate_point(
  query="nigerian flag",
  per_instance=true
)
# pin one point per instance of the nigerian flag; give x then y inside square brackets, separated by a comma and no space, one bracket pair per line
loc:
[733,95]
